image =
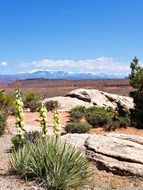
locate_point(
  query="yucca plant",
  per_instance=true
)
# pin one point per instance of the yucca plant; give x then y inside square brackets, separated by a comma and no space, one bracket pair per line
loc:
[58,166]
[19,158]
[19,114]
[43,118]
[57,127]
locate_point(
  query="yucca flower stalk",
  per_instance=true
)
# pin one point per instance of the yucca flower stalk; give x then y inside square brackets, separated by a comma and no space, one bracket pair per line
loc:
[19,107]
[57,126]
[43,118]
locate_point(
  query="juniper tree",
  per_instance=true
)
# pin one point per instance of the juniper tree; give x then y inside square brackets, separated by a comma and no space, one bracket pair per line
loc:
[136,81]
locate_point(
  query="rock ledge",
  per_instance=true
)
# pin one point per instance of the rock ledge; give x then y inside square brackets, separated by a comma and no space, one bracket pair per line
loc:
[118,153]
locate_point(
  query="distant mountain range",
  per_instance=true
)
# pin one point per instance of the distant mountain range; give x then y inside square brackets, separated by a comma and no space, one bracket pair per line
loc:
[56,75]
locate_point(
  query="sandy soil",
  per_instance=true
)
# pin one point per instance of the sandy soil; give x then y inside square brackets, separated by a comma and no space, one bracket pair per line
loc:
[102,180]
[128,130]
[33,119]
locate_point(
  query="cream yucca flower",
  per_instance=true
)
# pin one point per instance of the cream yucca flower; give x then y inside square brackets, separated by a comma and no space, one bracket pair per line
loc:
[57,120]
[43,119]
[19,114]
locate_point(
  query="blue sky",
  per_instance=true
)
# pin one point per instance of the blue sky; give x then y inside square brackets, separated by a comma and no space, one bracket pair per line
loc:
[72,35]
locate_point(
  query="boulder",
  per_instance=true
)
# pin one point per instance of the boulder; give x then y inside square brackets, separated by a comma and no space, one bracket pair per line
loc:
[101,99]
[67,103]
[118,153]
[91,97]
[76,140]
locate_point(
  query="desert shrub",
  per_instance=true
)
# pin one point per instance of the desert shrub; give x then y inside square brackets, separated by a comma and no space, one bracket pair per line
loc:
[2,122]
[112,112]
[77,113]
[29,137]
[6,103]
[121,110]
[77,127]
[33,105]
[31,101]
[112,126]
[31,95]
[56,165]
[52,105]
[121,122]
[11,110]
[98,117]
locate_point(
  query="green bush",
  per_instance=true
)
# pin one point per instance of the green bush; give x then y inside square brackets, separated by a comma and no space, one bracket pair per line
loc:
[121,110]
[29,137]
[77,113]
[121,122]
[56,165]
[31,101]
[6,103]
[52,105]
[31,95]
[113,113]
[77,127]
[11,110]
[97,117]
[112,126]
[33,105]
[2,122]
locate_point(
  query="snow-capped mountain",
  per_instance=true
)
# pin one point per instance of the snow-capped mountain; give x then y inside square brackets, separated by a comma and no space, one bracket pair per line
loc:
[48,74]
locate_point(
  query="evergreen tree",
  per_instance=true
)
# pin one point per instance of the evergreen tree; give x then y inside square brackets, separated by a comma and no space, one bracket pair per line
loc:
[136,81]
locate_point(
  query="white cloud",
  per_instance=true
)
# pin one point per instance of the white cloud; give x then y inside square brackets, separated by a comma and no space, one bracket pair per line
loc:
[24,65]
[3,63]
[97,65]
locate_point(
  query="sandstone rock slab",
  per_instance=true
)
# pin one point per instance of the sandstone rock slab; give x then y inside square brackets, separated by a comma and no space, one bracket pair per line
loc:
[76,140]
[67,103]
[118,153]
[91,97]
[101,99]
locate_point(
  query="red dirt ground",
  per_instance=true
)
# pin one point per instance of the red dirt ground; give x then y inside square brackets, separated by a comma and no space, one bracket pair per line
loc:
[33,119]
[61,87]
